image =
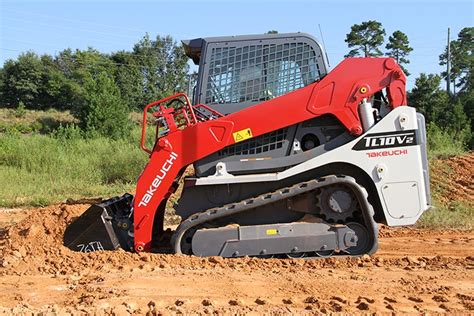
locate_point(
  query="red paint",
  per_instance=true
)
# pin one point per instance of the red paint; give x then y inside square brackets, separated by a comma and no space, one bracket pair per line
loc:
[386,153]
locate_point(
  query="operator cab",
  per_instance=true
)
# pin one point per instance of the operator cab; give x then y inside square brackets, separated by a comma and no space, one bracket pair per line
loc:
[236,72]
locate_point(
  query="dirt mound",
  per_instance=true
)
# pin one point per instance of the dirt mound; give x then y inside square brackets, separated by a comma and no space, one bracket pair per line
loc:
[398,278]
[415,271]
[35,245]
[453,178]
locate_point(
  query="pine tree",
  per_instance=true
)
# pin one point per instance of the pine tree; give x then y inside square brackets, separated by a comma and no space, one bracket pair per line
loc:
[398,48]
[462,60]
[366,38]
[427,97]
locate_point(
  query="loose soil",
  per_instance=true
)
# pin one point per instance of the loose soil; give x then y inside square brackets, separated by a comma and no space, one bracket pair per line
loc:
[414,271]
[453,178]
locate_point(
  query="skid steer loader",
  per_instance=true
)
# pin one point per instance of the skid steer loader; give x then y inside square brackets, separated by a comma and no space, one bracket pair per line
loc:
[289,159]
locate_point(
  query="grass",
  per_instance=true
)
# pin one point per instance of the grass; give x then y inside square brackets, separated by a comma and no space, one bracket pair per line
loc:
[38,170]
[33,121]
[41,164]
[41,122]
[444,144]
[454,215]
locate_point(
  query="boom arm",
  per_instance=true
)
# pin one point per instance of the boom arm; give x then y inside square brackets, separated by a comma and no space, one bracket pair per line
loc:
[339,93]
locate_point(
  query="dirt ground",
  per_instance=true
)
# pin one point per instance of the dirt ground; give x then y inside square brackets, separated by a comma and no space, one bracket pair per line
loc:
[414,271]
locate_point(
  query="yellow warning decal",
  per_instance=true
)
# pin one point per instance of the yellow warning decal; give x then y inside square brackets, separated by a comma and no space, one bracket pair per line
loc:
[242,135]
[272,231]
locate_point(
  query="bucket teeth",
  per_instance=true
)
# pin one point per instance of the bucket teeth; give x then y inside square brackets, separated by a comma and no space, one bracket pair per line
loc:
[103,226]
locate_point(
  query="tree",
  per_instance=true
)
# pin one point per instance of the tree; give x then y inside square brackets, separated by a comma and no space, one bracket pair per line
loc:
[22,80]
[129,78]
[427,97]
[454,119]
[71,71]
[462,72]
[438,108]
[154,69]
[467,99]
[2,84]
[104,113]
[164,67]
[53,92]
[462,59]
[272,32]
[398,48]
[177,68]
[366,38]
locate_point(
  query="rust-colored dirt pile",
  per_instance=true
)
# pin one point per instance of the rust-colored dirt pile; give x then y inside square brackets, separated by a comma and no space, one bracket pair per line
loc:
[454,178]
[413,272]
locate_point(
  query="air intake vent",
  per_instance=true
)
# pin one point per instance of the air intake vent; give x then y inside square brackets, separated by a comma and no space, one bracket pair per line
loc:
[257,145]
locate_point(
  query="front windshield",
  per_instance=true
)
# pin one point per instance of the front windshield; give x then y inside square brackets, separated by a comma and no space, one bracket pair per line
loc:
[259,72]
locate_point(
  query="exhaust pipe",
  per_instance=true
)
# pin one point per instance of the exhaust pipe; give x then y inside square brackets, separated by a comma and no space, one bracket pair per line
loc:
[103,226]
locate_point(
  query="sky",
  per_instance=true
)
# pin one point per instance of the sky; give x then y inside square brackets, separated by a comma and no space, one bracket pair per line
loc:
[51,26]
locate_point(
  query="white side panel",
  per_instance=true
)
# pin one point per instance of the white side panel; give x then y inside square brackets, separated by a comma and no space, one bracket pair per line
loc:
[402,199]
[386,166]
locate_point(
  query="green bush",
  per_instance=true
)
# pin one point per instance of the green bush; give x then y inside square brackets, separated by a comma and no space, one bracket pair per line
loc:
[23,128]
[444,143]
[67,132]
[104,113]
[20,110]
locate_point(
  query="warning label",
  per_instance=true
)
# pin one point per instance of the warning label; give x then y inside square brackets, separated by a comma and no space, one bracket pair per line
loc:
[272,232]
[242,135]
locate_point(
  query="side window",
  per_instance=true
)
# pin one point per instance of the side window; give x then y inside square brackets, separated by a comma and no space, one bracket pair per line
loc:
[254,73]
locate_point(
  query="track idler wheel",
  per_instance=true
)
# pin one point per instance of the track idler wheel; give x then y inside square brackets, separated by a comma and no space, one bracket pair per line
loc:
[364,241]
[186,242]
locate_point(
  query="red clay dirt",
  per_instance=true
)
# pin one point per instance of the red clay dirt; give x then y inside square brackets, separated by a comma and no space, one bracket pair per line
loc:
[414,271]
[454,177]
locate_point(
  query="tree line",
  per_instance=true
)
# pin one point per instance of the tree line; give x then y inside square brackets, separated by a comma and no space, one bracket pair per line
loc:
[101,89]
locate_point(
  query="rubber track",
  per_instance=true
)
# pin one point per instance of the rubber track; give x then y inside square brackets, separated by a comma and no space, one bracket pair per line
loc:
[284,193]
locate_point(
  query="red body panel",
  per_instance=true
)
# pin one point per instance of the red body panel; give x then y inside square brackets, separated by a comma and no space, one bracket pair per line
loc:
[339,94]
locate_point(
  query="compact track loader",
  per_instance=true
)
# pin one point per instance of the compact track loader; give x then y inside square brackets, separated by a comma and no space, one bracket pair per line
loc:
[289,159]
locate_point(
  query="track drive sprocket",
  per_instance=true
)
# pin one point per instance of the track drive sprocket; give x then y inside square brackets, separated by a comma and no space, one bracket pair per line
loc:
[337,203]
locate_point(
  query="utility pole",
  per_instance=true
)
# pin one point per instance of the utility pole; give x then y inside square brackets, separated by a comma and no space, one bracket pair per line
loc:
[448,64]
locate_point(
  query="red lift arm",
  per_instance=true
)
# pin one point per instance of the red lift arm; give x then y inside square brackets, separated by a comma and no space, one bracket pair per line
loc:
[339,93]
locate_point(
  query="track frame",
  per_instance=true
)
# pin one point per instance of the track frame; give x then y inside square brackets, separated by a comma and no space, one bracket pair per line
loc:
[252,204]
